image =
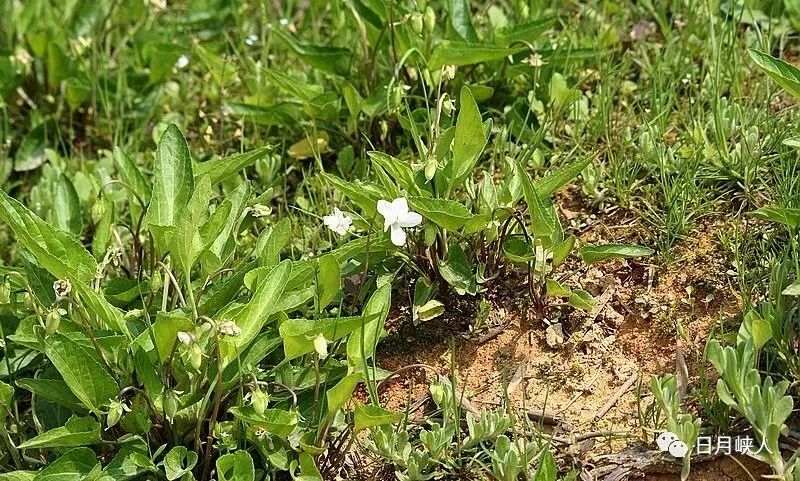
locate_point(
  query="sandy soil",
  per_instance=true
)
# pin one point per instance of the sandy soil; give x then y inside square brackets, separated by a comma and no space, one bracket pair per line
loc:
[597,377]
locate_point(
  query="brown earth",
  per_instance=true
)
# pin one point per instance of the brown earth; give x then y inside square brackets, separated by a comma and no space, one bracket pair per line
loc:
[597,378]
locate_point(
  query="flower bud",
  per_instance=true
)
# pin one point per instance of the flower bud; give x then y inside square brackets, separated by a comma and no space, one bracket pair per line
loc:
[259,399]
[170,402]
[196,357]
[52,322]
[429,19]
[417,22]
[321,346]
[115,410]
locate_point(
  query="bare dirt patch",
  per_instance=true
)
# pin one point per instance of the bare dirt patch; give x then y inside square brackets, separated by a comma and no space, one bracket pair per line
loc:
[596,377]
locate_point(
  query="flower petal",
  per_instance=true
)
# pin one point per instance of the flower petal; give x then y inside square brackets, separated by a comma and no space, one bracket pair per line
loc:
[410,219]
[387,210]
[398,235]
[400,206]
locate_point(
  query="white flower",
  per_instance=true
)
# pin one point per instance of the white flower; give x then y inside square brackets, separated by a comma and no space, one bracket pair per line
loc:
[338,222]
[321,345]
[62,288]
[251,40]
[397,217]
[182,61]
[449,72]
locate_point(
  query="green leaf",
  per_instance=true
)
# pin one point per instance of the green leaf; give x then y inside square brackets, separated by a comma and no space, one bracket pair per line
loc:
[400,171]
[221,241]
[55,250]
[544,220]
[172,186]
[237,466]
[188,243]
[528,31]
[367,416]
[298,334]
[53,390]
[783,73]
[430,310]
[517,249]
[18,476]
[547,470]
[223,168]
[448,214]
[339,395]
[165,331]
[464,53]
[82,370]
[131,462]
[255,314]
[6,397]
[581,299]
[178,462]
[553,181]
[597,253]
[279,422]
[31,152]
[457,270]
[74,465]
[470,137]
[364,340]
[78,431]
[783,215]
[461,20]
[328,280]
[133,177]
[335,60]
[363,195]
[557,289]
[272,241]
[562,249]
[67,207]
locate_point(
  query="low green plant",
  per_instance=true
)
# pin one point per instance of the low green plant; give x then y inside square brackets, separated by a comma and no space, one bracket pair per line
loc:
[190,346]
[475,225]
[489,446]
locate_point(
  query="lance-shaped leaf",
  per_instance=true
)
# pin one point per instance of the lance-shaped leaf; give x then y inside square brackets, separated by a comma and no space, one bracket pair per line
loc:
[58,252]
[784,74]
[188,242]
[255,314]
[465,53]
[368,416]
[130,173]
[67,207]
[53,390]
[299,334]
[82,370]
[78,431]
[279,422]
[61,255]
[223,168]
[328,280]
[470,137]
[448,214]
[553,181]
[74,465]
[340,394]
[596,253]
[361,345]
[221,228]
[172,186]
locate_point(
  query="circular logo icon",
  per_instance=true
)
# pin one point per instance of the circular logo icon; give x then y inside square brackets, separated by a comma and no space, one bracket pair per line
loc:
[665,439]
[678,449]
